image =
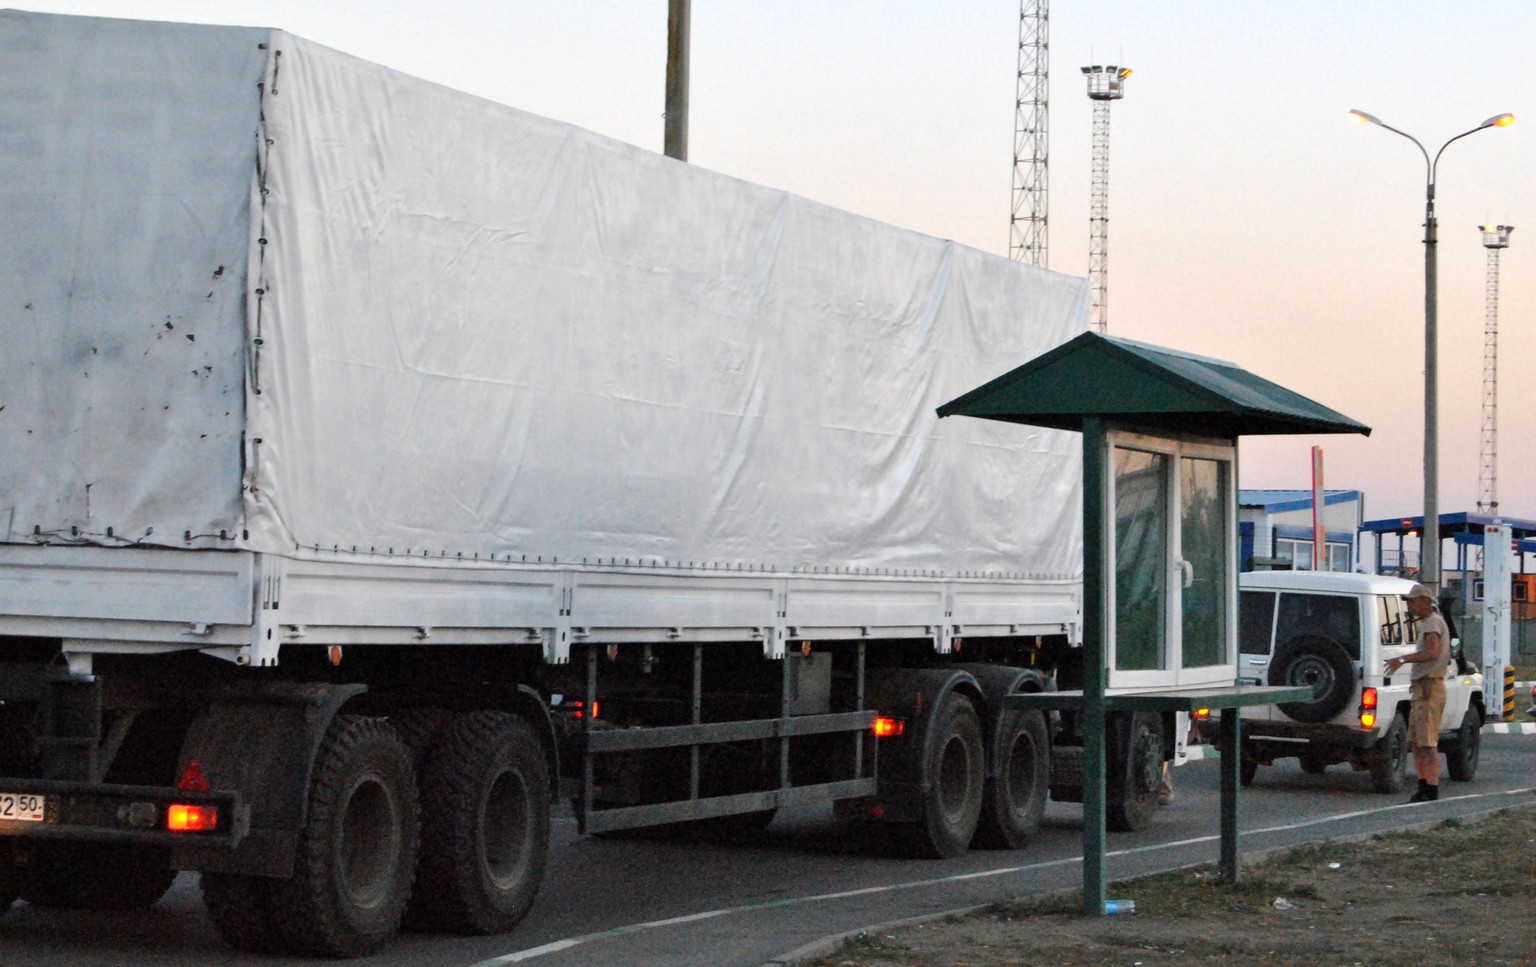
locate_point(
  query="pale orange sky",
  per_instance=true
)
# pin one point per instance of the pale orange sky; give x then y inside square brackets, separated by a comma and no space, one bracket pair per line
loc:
[1249,220]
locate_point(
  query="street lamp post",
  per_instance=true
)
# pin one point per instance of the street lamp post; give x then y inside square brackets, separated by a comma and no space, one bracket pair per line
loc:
[1429,543]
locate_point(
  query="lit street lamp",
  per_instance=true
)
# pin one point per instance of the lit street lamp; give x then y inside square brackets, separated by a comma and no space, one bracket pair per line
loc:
[1429,543]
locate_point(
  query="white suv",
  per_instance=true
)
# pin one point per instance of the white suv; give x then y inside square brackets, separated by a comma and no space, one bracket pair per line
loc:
[1335,632]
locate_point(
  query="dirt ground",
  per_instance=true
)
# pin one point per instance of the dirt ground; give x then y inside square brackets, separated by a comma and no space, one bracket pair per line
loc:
[1462,893]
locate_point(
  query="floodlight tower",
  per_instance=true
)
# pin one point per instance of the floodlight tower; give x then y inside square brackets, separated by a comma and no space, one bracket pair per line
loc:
[1495,239]
[1028,227]
[1105,84]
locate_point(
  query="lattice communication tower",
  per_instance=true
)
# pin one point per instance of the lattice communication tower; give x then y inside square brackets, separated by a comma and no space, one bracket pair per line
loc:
[1105,84]
[1029,224]
[1495,240]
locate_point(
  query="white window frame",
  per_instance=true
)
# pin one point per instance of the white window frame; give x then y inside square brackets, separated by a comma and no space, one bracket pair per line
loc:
[1174,675]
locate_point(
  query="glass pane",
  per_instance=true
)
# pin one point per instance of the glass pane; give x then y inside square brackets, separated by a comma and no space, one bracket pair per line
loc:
[1338,557]
[1255,620]
[1391,619]
[1330,616]
[1141,558]
[1203,526]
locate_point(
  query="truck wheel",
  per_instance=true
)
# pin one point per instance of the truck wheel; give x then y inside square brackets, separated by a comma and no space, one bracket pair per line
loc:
[486,786]
[956,773]
[418,728]
[1134,768]
[1461,758]
[1247,770]
[238,907]
[101,876]
[357,849]
[1389,761]
[1014,799]
[1320,663]
[1313,764]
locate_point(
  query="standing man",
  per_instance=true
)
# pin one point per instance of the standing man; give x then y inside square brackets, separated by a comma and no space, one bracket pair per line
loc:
[1426,690]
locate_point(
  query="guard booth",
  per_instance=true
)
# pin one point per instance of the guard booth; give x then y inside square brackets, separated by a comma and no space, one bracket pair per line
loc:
[1160,547]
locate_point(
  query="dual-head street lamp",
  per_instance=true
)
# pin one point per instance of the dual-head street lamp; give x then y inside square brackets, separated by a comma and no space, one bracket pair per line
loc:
[1429,543]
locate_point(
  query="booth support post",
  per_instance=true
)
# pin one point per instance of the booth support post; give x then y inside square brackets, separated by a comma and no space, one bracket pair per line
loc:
[1096,617]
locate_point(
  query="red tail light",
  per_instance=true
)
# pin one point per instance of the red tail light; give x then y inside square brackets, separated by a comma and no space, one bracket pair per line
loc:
[1368,708]
[885,728]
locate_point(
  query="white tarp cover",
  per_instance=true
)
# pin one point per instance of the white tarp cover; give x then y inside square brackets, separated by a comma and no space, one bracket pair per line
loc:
[127,153]
[487,333]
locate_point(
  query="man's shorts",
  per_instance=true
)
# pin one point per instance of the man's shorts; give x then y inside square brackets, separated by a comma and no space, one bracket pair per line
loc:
[1428,705]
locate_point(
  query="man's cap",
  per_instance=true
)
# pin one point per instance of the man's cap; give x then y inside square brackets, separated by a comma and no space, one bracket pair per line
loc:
[1420,591]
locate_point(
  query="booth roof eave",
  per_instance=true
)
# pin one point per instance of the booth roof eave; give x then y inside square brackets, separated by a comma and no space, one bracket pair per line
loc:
[1134,384]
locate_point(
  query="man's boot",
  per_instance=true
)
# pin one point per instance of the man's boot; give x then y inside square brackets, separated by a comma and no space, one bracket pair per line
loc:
[1426,793]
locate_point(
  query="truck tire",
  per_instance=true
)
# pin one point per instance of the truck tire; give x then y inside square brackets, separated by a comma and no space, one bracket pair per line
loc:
[418,728]
[486,789]
[1013,800]
[1389,760]
[1464,751]
[956,774]
[1320,663]
[97,876]
[357,849]
[240,911]
[1247,770]
[1133,770]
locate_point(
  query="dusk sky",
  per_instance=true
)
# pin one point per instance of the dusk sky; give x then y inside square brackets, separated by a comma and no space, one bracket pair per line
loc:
[1250,220]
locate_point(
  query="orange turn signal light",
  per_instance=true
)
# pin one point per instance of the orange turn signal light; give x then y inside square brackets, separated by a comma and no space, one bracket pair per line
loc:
[885,728]
[185,818]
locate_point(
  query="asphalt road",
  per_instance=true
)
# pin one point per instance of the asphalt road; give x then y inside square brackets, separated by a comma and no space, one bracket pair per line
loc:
[700,903]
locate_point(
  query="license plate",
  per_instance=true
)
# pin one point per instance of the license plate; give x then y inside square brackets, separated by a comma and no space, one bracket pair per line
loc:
[22,807]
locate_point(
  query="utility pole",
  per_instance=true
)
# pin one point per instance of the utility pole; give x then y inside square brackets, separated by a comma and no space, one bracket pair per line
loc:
[1030,222]
[675,133]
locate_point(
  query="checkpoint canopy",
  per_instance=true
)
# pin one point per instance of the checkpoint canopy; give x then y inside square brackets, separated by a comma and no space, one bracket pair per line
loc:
[1160,431]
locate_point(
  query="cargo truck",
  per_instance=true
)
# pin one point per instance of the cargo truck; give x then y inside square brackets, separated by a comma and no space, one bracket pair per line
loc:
[382,468]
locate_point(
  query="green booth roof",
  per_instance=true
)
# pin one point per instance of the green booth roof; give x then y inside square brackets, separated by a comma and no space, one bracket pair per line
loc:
[1145,386]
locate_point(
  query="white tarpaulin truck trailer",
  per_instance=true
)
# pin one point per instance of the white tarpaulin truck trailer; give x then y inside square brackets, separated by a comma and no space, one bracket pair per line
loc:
[354,426]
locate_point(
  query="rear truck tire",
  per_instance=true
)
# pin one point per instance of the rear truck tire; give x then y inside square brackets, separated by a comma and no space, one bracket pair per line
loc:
[357,850]
[1388,763]
[97,876]
[955,768]
[419,728]
[1320,663]
[1133,770]
[1013,800]
[485,844]
[1313,764]
[1247,770]
[1464,751]
[239,908]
